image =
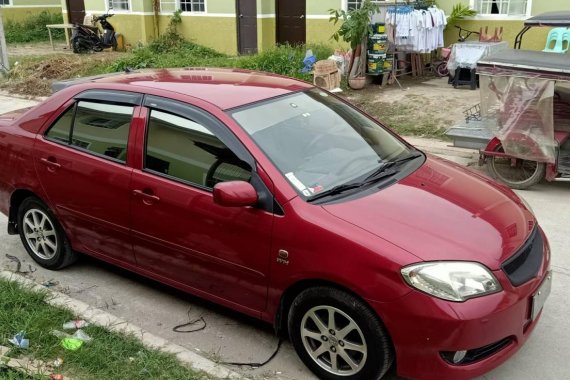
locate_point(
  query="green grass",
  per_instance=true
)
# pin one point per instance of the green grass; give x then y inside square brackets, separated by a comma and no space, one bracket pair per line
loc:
[107,356]
[33,28]
[284,59]
[8,374]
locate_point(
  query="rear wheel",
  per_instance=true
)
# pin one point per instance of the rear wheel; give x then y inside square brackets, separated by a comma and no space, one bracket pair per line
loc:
[337,336]
[80,45]
[42,235]
[515,172]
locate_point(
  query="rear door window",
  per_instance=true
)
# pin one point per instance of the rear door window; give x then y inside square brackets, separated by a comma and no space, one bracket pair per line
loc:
[102,129]
[99,128]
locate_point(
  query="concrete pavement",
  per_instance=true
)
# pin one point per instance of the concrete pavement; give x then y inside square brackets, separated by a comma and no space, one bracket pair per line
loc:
[231,337]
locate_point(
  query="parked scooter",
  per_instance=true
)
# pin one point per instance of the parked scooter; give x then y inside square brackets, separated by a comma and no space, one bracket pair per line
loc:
[87,38]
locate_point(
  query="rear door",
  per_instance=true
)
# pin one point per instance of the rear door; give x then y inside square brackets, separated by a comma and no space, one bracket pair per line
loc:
[81,161]
[247,26]
[179,233]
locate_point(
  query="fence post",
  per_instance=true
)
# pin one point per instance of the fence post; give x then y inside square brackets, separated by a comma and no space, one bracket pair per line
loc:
[4,64]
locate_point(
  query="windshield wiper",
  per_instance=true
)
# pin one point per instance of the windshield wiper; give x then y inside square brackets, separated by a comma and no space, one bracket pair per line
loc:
[387,165]
[350,186]
[378,174]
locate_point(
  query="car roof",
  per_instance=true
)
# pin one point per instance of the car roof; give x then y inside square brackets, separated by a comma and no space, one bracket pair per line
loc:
[225,88]
[558,18]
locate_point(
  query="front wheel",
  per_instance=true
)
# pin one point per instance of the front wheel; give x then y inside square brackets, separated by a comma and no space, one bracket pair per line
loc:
[42,235]
[515,172]
[337,336]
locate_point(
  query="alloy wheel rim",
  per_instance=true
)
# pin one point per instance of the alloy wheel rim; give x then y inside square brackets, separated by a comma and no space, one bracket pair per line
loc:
[40,234]
[334,340]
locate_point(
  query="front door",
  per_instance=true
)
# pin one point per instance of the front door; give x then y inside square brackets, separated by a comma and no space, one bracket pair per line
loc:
[247,26]
[76,11]
[291,26]
[179,233]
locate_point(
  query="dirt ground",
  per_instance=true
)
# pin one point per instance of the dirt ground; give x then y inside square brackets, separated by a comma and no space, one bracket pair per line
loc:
[423,106]
[38,48]
[35,66]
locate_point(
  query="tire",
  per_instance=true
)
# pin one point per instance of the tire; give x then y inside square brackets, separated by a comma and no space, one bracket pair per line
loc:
[442,70]
[43,236]
[522,175]
[371,350]
[114,43]
[79,45]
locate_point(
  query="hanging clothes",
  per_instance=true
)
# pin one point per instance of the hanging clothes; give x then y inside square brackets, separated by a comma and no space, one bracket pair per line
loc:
[414,30]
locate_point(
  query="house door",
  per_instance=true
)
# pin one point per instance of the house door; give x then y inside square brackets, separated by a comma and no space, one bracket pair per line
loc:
[76,11]
[291,25]
[247,26]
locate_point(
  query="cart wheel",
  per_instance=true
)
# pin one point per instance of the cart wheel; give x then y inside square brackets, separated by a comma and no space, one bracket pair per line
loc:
[441,70]
[515,172]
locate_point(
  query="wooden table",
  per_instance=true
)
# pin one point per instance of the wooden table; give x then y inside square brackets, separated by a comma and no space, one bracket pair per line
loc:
[65,27]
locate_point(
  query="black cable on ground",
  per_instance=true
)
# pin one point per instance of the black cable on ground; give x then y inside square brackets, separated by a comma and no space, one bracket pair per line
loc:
[190,322]
[257,365]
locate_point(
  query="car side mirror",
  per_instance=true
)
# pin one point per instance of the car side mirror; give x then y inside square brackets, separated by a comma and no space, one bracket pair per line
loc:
[235,194]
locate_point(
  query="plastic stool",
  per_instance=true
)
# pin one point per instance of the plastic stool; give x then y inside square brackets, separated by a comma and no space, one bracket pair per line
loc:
[561,39]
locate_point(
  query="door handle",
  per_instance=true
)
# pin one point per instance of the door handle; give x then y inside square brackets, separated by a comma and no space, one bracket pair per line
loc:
[51,164]
[240,16]
[146,196]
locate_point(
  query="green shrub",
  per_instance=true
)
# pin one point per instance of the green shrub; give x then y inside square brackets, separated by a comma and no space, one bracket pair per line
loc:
[33,28]
[284,59]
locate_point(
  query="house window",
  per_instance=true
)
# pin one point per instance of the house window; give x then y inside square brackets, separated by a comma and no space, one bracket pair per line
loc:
[4,2]
[356,4]
[183,5]
[501,7]
[119,5]
[192,5]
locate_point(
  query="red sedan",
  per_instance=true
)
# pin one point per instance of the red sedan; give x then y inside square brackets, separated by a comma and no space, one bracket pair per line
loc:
[284,202]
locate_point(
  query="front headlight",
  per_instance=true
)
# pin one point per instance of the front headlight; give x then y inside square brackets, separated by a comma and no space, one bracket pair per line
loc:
[451,280]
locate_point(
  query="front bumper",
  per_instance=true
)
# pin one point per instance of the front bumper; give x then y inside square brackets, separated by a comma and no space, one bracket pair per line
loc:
[421,327]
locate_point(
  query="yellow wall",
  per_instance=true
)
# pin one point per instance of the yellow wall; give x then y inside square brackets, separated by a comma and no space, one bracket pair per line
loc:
[219,33]
[134,28]
[534,39]
[19,14]
[320,31]
[265,33]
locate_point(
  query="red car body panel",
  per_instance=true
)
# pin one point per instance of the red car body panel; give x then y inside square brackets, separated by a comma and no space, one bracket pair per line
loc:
[432,205]
[176,234]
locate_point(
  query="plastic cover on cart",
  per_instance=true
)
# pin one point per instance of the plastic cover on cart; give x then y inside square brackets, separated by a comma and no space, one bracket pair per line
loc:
[518,110]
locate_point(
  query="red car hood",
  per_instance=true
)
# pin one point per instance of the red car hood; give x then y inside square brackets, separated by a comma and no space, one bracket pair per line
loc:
[444,212]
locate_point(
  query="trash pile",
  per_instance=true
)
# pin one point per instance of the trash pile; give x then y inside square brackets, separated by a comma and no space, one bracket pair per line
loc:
[70,342]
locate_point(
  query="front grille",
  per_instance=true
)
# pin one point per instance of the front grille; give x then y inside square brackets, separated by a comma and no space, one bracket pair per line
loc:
[524,265]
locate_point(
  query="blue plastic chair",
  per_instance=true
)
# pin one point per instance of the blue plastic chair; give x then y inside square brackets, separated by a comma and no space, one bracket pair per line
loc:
[559,39]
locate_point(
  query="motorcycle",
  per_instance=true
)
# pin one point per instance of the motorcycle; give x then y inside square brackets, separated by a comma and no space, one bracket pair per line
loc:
[525,101]
[87,38]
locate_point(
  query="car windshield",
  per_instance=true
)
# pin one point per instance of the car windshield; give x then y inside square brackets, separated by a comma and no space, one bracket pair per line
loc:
[318,142]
